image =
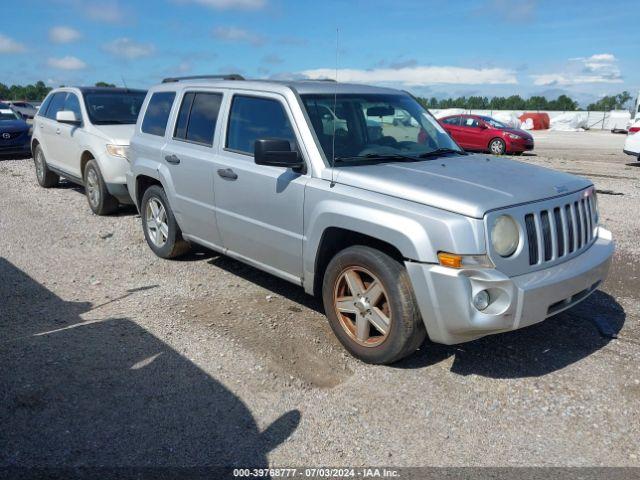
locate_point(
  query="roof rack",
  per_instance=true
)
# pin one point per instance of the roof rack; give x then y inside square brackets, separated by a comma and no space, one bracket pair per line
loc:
[230,76]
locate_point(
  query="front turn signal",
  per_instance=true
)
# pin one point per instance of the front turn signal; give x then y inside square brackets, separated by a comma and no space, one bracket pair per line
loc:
[453,260]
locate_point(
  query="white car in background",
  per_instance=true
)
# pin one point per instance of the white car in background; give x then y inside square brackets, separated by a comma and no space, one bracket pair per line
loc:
[632,145]
[82,134]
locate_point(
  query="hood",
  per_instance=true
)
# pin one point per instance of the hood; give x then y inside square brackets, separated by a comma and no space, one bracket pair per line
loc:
[517,131]
[13,125]
[470,185]
[116,134]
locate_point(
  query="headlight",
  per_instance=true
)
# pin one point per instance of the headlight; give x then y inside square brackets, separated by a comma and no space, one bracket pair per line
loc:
[514,136]
[505,235]
[118,150]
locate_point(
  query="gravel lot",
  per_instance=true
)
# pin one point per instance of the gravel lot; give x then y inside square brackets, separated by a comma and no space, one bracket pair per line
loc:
[111,356]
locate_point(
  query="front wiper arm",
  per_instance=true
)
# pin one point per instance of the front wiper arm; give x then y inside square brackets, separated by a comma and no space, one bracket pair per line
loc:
[441,151]
[378,156]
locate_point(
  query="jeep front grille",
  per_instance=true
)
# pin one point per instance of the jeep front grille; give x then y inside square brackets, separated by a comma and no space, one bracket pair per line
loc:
[559,231]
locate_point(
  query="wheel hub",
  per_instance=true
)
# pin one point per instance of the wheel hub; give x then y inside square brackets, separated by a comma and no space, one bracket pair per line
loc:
[363,305]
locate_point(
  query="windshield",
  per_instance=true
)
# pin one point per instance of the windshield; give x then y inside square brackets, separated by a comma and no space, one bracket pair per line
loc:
[374,125]
[8,114]
[106,108]
[494,123]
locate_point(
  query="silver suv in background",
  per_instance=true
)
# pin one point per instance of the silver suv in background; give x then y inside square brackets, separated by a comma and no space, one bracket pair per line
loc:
[82,134]
[399,231]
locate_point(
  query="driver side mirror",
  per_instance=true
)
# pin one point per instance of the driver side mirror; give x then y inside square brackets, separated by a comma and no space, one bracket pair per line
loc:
[276,152]
[67,116]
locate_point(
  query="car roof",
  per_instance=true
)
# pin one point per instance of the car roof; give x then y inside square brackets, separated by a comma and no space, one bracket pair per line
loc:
[85,90]
[303,87]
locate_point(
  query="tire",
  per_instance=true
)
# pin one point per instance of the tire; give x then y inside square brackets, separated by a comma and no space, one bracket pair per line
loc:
[46,178]
[405,330]
[100,200]
[170,243]
[497,146]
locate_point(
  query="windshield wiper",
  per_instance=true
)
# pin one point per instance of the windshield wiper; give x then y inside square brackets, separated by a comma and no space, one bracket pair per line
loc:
[441,151]
[378,156]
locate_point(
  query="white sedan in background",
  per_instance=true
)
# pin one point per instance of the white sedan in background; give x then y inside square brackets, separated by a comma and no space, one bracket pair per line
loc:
[632,145]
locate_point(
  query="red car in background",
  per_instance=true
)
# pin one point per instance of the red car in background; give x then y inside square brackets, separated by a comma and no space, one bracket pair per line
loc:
[477,132]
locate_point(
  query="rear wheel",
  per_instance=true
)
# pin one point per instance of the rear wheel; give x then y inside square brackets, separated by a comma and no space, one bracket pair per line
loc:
[497,146]
[160,227]
[370,305]
[46,178]
[100,200]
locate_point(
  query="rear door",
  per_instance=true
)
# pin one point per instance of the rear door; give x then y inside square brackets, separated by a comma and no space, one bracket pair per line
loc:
[259,208]
[189,156]
[472,133]
[48,130]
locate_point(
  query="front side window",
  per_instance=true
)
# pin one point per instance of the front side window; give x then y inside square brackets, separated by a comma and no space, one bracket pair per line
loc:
[56,105]
[252,118]
[470,122]
[42,111]
[197,117]
[373,127]
[72,104]
[114,108]
[157,114]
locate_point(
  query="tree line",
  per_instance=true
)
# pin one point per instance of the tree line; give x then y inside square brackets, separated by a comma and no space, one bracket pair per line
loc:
[535,102]
[34,93]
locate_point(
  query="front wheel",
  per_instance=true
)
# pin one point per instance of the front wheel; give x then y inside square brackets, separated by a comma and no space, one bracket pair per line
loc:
[370,305]
[100,200]
[160,227]
[497,146]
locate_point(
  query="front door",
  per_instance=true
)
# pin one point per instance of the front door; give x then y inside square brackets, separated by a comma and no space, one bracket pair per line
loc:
[259,208]
[472,133]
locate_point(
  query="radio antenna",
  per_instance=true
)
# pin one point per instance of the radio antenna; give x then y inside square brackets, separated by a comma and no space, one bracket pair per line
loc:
[335,106]
[123,82]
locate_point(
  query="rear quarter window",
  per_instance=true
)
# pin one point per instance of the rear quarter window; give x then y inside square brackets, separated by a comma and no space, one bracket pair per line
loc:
[157,114]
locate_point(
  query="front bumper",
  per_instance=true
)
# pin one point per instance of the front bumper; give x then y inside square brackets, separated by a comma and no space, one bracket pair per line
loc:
[445,295]
[523,145]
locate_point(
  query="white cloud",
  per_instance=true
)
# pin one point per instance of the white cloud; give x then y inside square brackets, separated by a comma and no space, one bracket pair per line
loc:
[416,76]
[234,34]
[230,4]
[66,63]
[105,11]
[598,68]
[129,49]
[9,45]
[62,34]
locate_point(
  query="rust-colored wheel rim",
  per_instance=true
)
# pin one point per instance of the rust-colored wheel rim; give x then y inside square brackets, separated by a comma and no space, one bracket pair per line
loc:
[362,306]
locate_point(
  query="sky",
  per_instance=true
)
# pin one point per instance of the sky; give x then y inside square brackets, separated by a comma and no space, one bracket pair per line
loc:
[583,48]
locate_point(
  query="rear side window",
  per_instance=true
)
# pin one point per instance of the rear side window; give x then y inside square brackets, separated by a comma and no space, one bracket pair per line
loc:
[252,118]
[56,105]
[198,117]
[452,121]
[157,114]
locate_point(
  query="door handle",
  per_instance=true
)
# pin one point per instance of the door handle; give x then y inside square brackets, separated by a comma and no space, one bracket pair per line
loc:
[227,173]
[57,131]
[172,159]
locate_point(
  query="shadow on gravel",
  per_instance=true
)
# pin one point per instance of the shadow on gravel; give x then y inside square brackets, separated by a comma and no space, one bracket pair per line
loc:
[267,281]
[533,351]
[108,393]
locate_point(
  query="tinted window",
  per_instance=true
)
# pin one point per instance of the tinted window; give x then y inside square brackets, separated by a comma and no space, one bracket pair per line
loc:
[114,107]
[470,122]
[183,116]
[42,111]
[72,104]
[452,121]
[202,121]
[56,105]
[252,118]
[157,114]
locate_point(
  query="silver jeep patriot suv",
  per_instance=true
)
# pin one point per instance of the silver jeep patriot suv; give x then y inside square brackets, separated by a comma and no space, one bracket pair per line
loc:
[400,231]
